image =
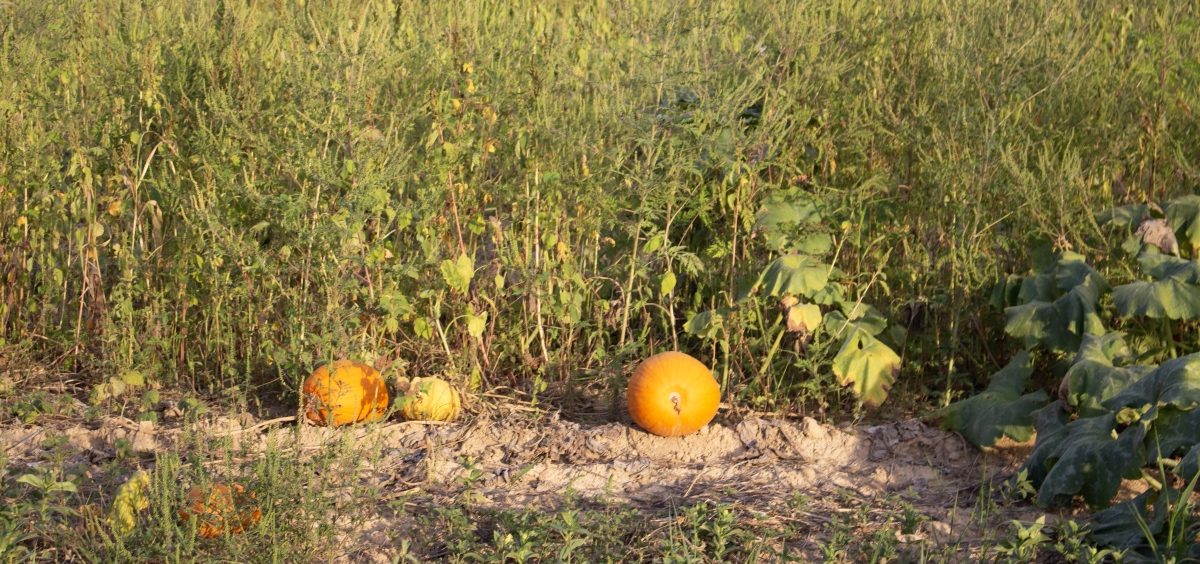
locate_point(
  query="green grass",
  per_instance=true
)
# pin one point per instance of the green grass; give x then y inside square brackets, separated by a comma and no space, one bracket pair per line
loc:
[220,194]
[214,197]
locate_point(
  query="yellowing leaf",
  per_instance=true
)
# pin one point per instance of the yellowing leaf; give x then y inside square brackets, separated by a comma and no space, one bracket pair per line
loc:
[1158,232]
[867,364]
[458,273]
[476,324]
[667,285]
[803,318]
[133,378]
[132,498]
[422,328]
[655,243]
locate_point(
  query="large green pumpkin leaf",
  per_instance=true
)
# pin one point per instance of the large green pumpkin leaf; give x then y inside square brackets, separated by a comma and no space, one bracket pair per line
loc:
[1000,410]
[1110,348]
[1050,423]
[1161,266]
[1089,457]
[1059,307]
[1118,526]
[1078,308]
[1006,292]
[1051,419]
[1173,430]
[786,224]
[707,324]
[1175,383]
[816,244]
[1038,288]
[1169,298]
[856,316]
[1093,378]
[1127,217]
[1189,465]
[1184,215]
[1030,321]
[867,364]
[1072,270]
[830,295]
[1091,383]
[1060,325]
[1153,527]
[780,212]
[794,274]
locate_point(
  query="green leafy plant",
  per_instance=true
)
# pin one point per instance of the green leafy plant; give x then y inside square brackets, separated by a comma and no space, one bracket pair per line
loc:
[1026,542]
[1099,372]
[1003,409]
[1056,305]
[1072,542]
[1117,416]
[1156,526]
[803,282]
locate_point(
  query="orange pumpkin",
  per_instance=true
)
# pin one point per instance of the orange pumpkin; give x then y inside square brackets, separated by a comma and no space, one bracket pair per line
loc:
[672,394]
[220,509]
[350,392]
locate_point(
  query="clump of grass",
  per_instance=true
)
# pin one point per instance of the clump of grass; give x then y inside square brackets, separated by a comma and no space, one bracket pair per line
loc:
[308,499]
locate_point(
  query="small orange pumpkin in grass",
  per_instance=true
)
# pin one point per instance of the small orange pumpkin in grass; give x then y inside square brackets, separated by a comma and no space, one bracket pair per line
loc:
[672,394]
[344,392]
[220,509]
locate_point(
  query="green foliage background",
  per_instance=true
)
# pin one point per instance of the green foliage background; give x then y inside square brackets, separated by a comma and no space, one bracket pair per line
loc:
[529,194]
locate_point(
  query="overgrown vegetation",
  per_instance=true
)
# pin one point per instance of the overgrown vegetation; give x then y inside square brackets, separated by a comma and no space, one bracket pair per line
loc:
[221,194]
[816,198]
[1126,407]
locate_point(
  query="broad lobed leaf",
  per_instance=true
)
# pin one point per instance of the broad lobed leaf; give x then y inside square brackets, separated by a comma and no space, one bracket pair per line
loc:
[794,274]
[1000,410]
[1088,457]
[1174,383]
[1168,298]
[1093,378]
[1173,430]
[1184,215]
[869,365]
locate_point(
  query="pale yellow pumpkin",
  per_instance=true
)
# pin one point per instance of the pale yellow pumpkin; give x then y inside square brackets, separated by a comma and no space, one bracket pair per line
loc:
[430,399]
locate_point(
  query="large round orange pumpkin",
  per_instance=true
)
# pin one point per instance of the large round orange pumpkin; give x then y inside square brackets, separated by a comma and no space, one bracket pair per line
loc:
[672,394]
[344,392]
[220,509]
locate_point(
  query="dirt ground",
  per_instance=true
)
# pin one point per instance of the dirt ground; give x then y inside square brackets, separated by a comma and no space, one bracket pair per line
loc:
[521,459]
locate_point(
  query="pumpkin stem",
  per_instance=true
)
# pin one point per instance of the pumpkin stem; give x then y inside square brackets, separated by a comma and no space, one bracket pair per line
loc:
[675,401]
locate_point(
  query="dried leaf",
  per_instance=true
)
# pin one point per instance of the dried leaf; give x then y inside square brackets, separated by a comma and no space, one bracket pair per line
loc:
[1158,232]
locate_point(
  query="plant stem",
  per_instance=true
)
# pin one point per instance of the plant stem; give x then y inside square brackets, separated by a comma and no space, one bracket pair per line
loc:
[1169,337]
[633,258]
[1152,481]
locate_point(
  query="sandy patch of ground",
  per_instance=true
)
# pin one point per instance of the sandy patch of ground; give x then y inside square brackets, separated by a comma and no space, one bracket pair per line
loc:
[522,461]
